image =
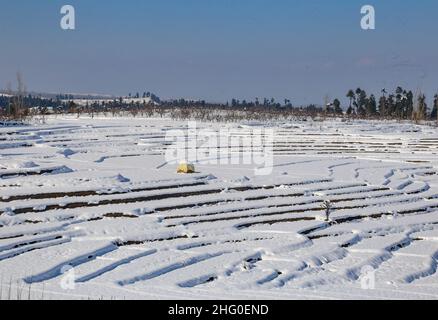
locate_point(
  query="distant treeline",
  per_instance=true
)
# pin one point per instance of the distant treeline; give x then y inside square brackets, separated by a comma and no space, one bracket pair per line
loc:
[401,105]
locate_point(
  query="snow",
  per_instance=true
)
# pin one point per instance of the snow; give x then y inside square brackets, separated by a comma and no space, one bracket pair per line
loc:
[98,195]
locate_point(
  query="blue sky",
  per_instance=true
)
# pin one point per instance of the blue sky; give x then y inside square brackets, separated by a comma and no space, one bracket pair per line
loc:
[220,49]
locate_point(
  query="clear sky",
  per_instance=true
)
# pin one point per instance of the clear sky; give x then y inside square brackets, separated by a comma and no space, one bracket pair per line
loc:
[220,49]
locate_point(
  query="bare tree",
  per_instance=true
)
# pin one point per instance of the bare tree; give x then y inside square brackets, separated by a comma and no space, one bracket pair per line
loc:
[16,109]
[19,97]
[420,112]
[327,206]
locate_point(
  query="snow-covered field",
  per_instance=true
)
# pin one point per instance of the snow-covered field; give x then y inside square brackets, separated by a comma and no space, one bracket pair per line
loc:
[97,195]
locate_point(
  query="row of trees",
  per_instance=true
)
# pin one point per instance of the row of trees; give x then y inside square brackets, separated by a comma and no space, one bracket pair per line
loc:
[145,95]
[234,103]
[401,104]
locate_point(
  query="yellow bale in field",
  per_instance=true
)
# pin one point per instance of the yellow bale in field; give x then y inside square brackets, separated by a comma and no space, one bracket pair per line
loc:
[186,168]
